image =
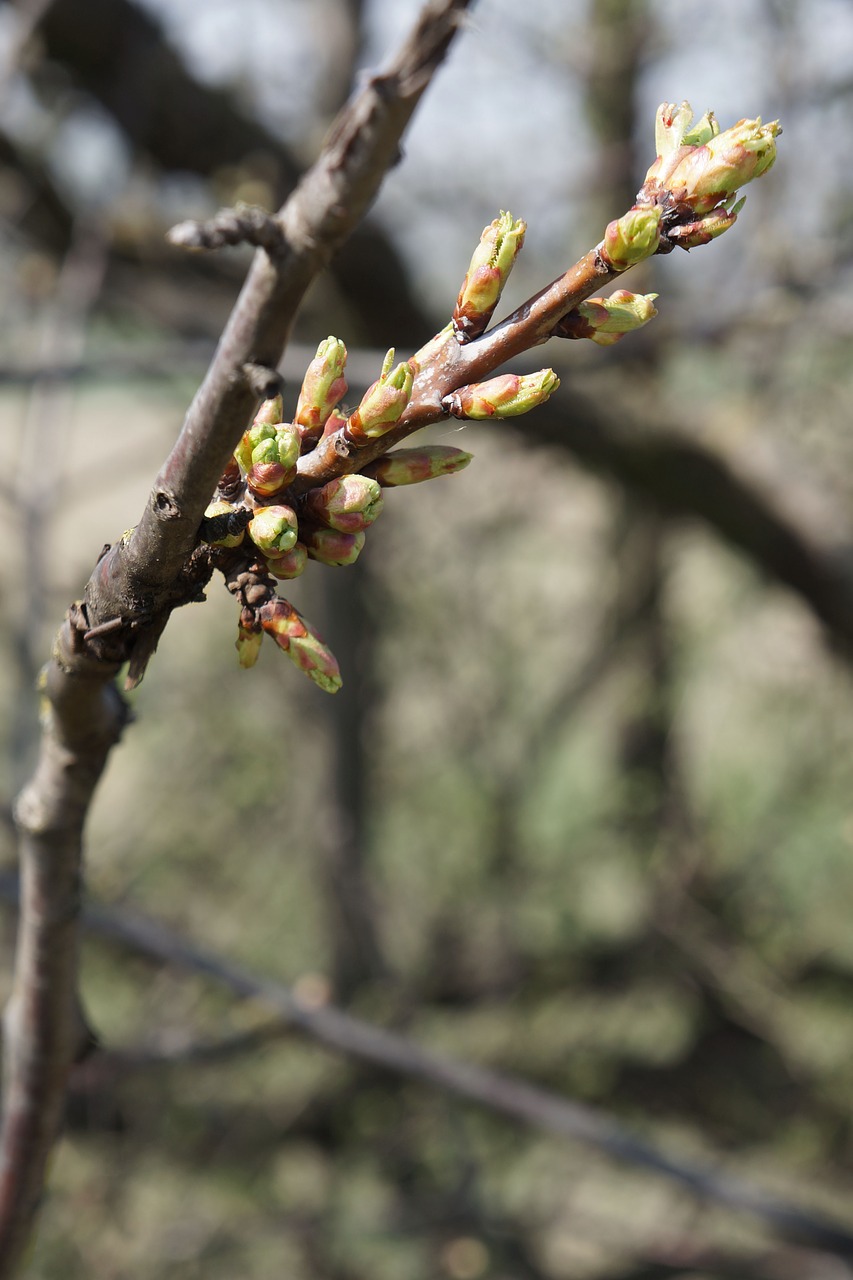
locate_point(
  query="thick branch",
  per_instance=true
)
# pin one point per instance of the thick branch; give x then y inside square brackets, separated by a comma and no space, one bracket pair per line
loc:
[42,1027]
[129,598]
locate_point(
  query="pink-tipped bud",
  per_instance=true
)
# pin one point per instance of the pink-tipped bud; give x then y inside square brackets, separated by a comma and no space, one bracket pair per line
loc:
[412,466]
[274,528]
[328,546]
[690,235]
[288,564]
[506,396]
[631,238]
[323,387]
[248,646]
[607,320]
[271,411]
[267,479]
[302,644]
[348,503]
[493,259]
[274,458]
[383,403]
[334,422]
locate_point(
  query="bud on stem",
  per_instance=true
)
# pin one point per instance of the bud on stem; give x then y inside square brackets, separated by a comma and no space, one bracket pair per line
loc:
[323,387]
[506,396]
[383,403]
[302,644]
[488,272]
[349,503]
[607,320]
[411,466]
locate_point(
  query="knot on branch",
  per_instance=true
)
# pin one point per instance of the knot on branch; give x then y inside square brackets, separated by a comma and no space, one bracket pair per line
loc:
[244,224]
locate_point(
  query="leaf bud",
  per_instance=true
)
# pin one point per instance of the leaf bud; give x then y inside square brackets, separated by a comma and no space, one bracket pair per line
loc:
[383,403]
[348,503]
[329,546]
[274,528]
[323,387]
[411,466]
[506,396]
[492,261]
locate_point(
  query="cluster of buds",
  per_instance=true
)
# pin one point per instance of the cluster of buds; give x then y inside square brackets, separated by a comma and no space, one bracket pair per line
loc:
[268,527]
[274,535]
[690,193]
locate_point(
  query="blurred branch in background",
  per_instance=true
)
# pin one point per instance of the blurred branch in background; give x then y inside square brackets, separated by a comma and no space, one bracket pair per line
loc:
[346,1034]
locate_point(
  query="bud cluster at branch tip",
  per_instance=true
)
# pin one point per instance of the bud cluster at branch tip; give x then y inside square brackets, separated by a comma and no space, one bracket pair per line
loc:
[383,403]
[689,197]
[699,170]
[488,272]
[506,396]
[607,320]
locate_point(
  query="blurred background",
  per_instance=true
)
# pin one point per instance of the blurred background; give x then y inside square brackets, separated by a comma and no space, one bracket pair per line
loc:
[583,810]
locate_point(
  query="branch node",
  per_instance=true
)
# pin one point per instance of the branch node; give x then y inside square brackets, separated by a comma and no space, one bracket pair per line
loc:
[263,381]
[244,224]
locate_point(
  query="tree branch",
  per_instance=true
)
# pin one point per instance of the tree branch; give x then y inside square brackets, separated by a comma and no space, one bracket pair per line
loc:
[507,1095]
[140,581]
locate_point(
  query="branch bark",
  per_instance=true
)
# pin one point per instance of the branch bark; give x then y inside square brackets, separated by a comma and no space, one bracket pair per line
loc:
[130,596]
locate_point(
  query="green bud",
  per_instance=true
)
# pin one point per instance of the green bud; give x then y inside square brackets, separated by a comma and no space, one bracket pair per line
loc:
[348,503]
[690,235]
[274,528]
[411,466]
[248,646]
[250,440]
[323,386]
[302,644]
[506,396]
[383,403]
[607,320]
[631,238]
[288,443]
[288,564]
[328,546]
[493,259]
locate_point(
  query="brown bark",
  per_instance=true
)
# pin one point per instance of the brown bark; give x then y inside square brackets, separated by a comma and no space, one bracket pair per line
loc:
[130,596]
